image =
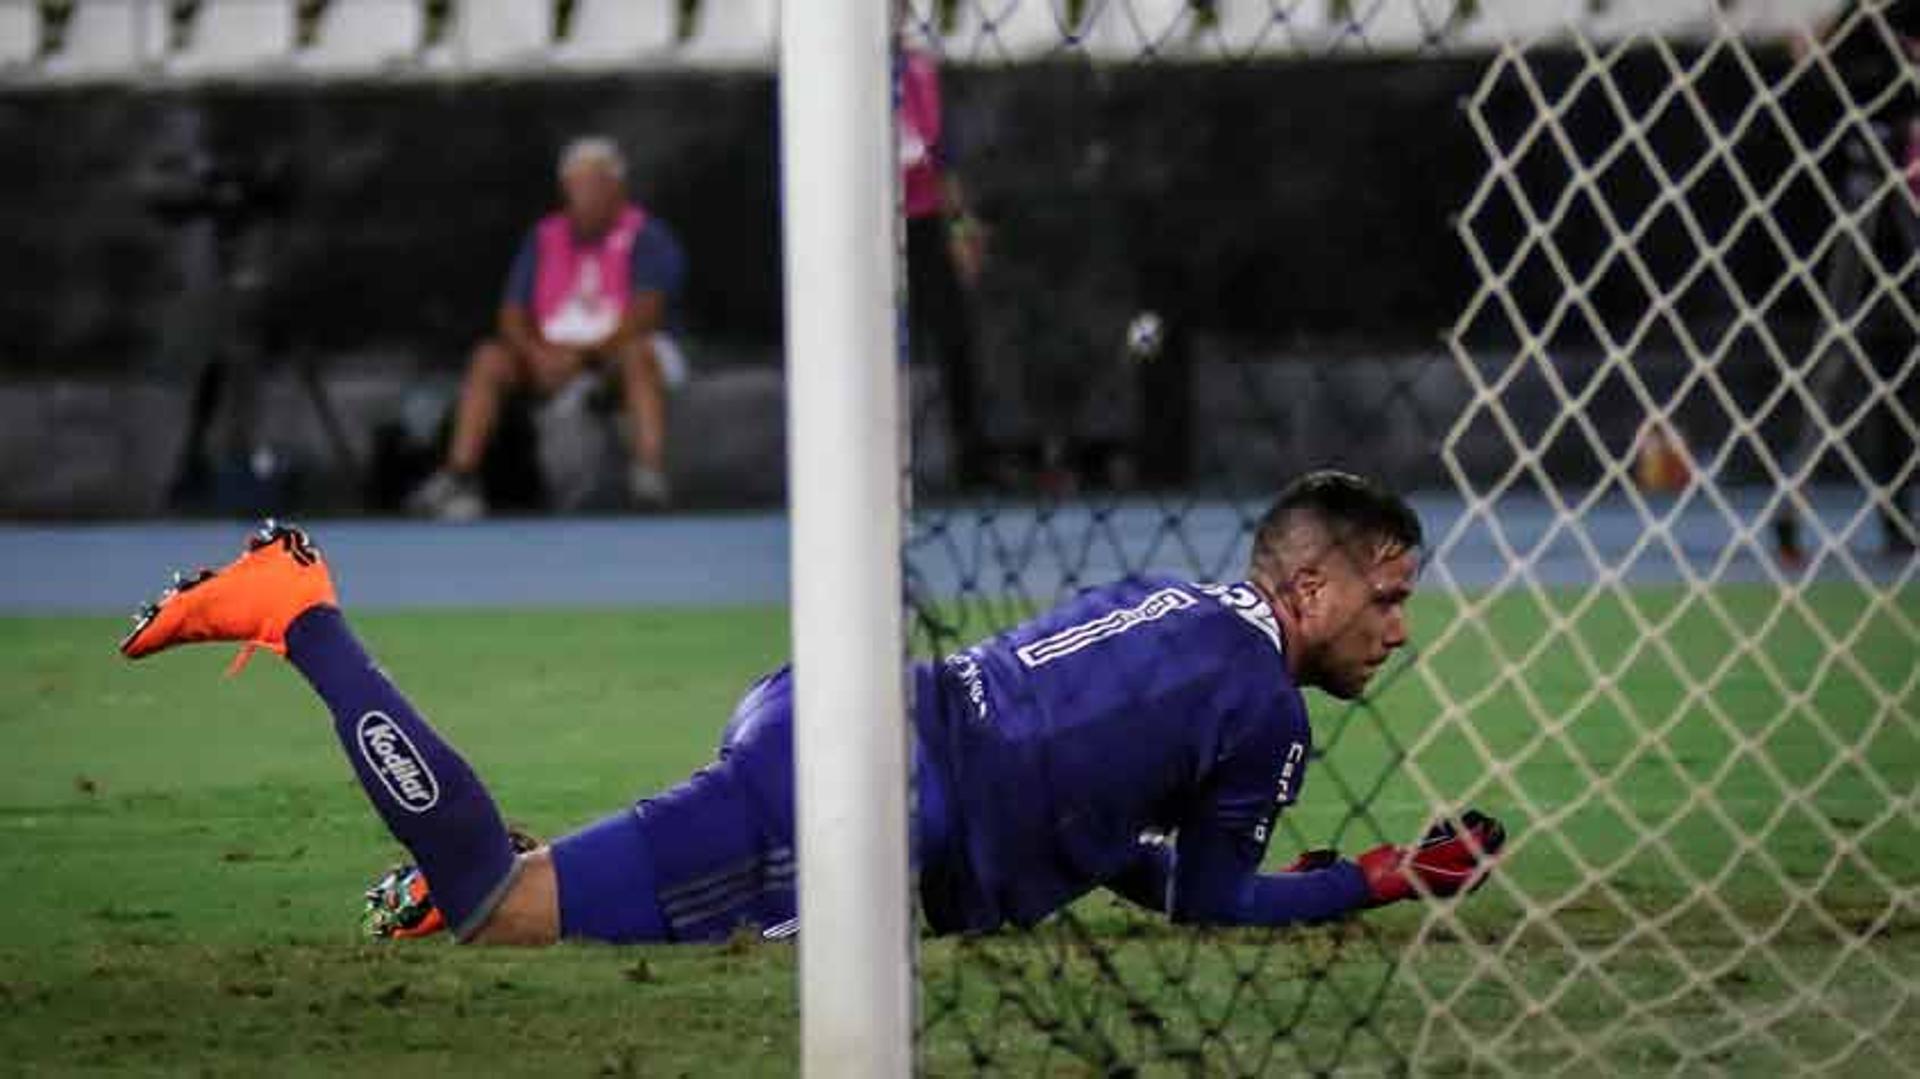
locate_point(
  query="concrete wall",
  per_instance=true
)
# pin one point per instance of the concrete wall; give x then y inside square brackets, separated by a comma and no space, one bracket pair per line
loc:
[107,447]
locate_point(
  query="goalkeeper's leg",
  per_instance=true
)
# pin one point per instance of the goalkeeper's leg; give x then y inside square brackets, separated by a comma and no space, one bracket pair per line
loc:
[697,862]
[596,883]
[278,595]
[426,793]
[711,854]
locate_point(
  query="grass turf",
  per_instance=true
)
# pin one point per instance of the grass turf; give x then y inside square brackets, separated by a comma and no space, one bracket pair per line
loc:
[184,856]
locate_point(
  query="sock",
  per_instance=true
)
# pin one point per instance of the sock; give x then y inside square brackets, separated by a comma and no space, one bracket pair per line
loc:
[428,797]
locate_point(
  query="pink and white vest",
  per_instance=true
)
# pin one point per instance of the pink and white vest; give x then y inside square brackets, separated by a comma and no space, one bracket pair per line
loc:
[581,288]
[918,117]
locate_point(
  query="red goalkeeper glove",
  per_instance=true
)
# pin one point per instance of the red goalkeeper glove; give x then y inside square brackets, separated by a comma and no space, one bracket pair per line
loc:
[1451,858]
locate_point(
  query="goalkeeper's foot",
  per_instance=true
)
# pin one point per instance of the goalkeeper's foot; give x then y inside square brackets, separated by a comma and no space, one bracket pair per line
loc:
[251,601]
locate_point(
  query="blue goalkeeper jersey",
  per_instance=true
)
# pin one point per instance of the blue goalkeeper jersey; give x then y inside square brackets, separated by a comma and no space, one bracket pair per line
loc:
[1145,706]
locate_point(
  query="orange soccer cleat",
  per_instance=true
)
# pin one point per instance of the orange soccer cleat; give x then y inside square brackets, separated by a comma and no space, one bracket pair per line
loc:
[251,601]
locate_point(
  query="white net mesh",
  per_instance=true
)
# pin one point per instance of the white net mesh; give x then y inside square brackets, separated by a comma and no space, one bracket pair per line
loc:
[1673,633]
[1730,845]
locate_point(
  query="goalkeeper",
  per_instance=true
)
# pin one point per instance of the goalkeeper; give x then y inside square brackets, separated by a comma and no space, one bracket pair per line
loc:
[1142,737]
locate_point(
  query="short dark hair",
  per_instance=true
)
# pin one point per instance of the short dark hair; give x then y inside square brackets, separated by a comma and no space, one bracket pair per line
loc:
[1352,509]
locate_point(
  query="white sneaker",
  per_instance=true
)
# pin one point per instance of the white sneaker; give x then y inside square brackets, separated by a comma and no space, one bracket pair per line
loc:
[648,487]
[448,496]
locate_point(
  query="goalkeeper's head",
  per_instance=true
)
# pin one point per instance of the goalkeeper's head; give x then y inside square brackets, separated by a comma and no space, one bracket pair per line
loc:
[1337,556]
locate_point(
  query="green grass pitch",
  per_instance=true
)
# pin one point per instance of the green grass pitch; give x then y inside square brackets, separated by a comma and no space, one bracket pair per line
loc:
[183,857]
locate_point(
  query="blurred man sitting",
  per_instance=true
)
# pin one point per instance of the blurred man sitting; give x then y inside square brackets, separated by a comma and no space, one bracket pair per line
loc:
[588,295]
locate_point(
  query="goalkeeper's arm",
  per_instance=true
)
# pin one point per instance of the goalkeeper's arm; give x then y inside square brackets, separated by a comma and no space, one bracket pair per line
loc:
[1308,890]
[1206,877]
[1210,879]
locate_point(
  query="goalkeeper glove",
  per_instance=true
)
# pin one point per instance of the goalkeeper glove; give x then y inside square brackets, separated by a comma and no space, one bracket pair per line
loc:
[1449,860]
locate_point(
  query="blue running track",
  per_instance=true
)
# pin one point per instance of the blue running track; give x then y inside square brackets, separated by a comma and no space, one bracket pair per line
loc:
[736,559]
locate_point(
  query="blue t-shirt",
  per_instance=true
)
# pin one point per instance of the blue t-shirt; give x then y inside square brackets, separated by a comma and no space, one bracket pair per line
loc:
[1145,706]
[656,264]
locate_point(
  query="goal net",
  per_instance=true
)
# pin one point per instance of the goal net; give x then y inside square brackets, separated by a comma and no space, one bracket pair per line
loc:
[1658,412]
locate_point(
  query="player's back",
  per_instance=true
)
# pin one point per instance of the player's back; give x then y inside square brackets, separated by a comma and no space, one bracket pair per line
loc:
[1064,739]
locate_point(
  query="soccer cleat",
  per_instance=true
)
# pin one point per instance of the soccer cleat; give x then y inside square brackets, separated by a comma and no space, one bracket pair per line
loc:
[251,601]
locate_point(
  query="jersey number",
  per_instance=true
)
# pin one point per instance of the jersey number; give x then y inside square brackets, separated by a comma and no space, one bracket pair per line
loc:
[1112,624]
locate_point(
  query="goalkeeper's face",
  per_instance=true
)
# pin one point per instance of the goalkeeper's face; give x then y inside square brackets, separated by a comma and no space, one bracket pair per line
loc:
[1357,617]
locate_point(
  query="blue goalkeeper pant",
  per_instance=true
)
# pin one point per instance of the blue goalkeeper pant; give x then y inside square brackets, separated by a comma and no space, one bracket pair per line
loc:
[714,854]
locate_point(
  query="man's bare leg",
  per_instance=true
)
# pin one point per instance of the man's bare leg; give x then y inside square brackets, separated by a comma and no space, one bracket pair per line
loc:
[646,403]
[453,492]
[493,373]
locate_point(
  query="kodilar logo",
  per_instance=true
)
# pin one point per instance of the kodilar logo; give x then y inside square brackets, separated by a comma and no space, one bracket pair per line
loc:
[392,756]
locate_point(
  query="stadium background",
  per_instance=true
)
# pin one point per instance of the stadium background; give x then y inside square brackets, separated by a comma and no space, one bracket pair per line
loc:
[1303,246]
[1301,238]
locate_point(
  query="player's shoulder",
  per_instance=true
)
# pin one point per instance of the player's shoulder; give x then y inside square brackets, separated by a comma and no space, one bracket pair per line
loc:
[1232,621]
[1252,646]
[1250,610]
[1160,593]
[1128,603]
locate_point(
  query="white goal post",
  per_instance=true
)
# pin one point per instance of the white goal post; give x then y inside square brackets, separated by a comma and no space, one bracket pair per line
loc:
[844,464]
